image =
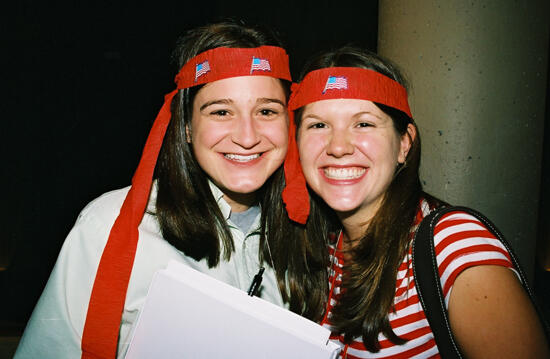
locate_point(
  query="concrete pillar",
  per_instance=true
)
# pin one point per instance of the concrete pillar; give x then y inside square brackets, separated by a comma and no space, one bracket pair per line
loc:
[478,75]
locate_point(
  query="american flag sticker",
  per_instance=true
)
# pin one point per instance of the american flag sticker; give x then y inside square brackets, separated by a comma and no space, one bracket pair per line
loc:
[201,69]
[336,83]
[259,64]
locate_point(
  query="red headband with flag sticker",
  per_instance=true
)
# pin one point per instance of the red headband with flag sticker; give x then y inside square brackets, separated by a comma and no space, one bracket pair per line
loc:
[101,329]
[349,82]
[325,84]
[224,62]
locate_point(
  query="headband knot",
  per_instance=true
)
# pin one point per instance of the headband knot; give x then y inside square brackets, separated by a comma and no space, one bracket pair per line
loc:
[294,89]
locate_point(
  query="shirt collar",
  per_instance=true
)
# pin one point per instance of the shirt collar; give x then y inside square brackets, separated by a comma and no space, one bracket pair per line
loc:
[218,197]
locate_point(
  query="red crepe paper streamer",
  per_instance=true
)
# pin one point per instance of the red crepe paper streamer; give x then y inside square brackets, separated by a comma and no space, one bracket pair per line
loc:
[101,329]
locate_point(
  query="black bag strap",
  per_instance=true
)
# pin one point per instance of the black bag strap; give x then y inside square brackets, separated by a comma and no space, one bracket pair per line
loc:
[428,284]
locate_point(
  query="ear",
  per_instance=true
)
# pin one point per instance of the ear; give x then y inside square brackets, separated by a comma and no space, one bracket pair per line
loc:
[406,142]
[187,133]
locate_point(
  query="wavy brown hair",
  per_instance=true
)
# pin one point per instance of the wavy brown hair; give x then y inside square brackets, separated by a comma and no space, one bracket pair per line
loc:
[190,218]
[370,275]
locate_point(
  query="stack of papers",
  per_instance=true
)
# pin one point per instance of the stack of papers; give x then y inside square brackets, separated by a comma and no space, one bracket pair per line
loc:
[188,314]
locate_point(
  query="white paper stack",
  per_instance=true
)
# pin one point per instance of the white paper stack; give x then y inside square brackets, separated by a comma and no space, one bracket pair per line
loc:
[188,314]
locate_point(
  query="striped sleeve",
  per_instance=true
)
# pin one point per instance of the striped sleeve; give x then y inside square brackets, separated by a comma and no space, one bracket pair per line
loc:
[462,241]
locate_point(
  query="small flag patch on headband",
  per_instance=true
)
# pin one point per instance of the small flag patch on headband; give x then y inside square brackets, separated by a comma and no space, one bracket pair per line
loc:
[336,82]
[201,69]
[259,64]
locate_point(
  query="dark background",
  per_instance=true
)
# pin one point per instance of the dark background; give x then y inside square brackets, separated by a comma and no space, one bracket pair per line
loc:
[83,84]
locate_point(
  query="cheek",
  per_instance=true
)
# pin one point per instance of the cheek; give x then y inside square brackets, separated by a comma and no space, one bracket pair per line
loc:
[379,147]
[369,145]
[276,132]
[206,134]
[309,148]
[365,143]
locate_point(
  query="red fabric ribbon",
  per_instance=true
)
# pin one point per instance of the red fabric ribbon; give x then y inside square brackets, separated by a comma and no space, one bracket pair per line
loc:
[295,195]
[349,82]
[99,338]
[225,62]
[101,329]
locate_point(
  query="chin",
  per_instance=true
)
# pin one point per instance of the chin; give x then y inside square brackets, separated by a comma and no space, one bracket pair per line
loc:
[339,206]
[244,188]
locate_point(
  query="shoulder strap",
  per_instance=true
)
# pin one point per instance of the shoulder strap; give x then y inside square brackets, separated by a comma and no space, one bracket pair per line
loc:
[428,284]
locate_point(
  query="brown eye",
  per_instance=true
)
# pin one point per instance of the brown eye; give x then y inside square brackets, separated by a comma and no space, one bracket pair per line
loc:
[317,125]
[220,113]
[267,112]
[364,124]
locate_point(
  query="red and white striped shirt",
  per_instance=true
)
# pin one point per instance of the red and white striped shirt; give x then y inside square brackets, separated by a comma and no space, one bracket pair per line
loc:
[461,241]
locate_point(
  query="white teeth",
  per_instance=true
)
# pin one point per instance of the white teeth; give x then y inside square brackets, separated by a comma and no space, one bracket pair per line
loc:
[240,158]
[344,173]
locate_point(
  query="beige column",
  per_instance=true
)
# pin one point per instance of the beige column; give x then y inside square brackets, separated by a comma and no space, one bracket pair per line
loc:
[478,75]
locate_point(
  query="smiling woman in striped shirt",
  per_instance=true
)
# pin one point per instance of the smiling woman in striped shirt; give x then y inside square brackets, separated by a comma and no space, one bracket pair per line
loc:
[360,153]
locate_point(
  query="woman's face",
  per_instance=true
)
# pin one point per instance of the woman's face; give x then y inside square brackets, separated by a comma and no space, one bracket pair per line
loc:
[239,132]
[349,151]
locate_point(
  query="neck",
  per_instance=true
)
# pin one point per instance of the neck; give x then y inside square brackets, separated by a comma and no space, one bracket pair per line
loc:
[353,232]
[240,202]
[355,223]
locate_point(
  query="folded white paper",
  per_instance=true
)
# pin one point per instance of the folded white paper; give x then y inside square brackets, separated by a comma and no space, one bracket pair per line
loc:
[188,314]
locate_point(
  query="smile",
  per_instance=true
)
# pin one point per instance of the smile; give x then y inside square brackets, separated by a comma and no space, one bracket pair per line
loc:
[241,158]
[344,173]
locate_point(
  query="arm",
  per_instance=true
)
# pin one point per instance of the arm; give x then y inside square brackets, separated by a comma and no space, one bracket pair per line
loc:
[492,317]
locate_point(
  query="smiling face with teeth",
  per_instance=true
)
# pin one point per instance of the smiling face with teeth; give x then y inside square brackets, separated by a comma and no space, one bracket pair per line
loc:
[239,134]
[349,151]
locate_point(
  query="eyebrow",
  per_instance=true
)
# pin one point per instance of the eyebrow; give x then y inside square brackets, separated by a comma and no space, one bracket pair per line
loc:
[226,101]
[359,114]
[311,115]
[263,100]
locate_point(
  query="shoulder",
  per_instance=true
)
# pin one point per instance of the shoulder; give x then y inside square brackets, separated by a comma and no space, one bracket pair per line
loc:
[462,231]
[89,234]
[463,241]
[106,206]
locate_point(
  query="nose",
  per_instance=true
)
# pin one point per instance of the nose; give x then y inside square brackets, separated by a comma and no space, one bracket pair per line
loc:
[245,133]
[340,144]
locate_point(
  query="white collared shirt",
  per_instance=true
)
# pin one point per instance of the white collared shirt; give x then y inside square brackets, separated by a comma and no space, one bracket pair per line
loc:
[56,325]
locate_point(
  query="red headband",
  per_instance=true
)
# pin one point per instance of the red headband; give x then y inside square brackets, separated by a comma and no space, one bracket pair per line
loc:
[325,84]
[224,62]
[101,329]
[349,82]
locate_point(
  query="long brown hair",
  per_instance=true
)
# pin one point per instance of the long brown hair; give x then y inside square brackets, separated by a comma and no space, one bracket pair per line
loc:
[190,218]
[369,277]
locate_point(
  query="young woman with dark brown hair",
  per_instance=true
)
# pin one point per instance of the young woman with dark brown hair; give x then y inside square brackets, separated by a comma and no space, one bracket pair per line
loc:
[212,202]
[360,153]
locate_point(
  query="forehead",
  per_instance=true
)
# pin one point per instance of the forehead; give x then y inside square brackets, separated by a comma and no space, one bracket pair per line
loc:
[341,107]
[242,86]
